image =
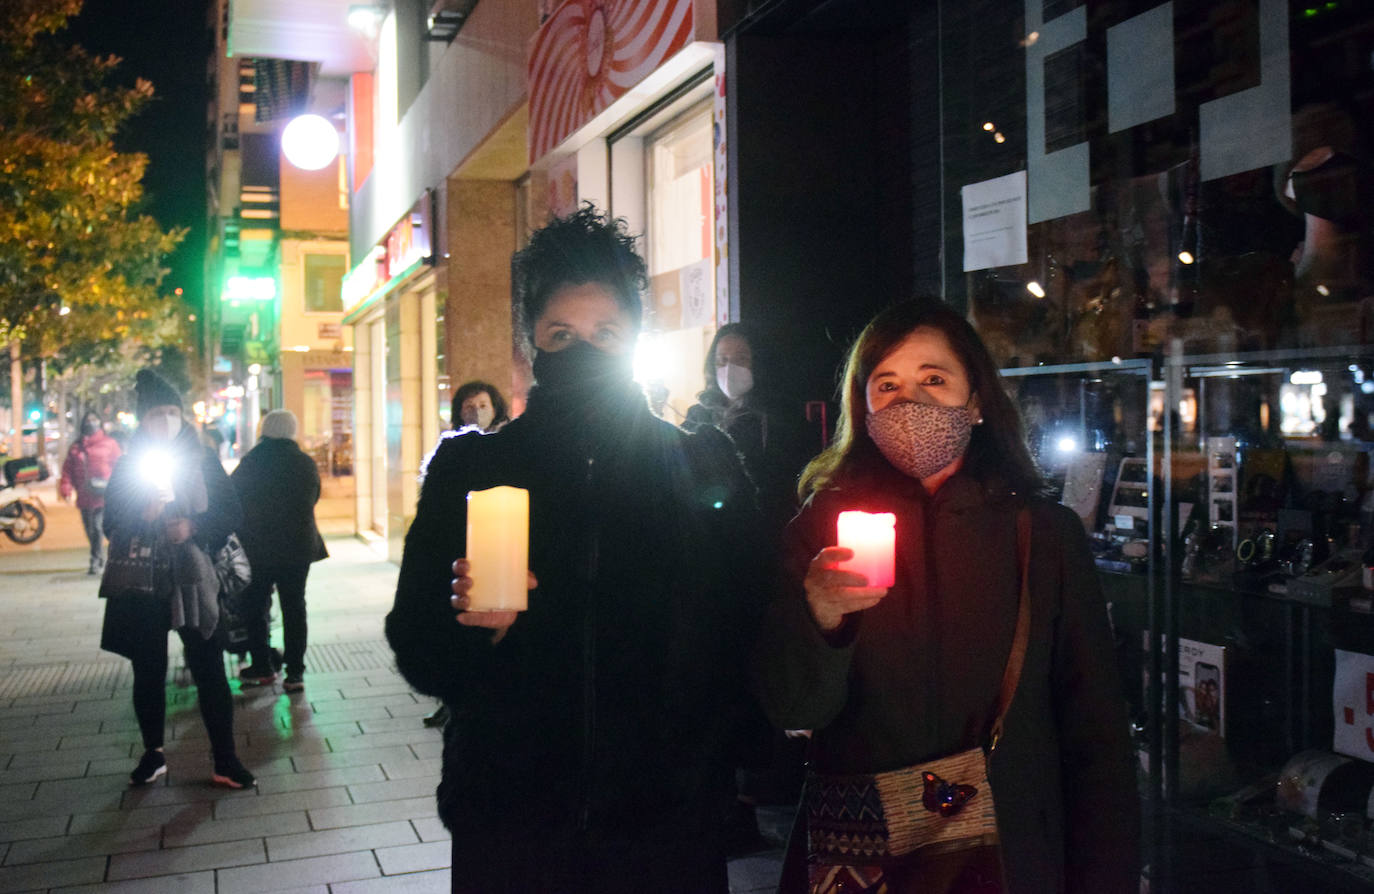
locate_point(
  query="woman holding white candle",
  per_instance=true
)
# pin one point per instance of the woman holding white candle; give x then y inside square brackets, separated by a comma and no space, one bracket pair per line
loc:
[590,745]
[891,678]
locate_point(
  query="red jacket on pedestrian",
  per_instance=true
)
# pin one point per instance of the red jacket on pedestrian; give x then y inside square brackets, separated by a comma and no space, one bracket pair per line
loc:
[88,465]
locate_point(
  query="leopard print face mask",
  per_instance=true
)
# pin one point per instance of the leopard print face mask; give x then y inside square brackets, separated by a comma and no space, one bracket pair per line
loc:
[921,439]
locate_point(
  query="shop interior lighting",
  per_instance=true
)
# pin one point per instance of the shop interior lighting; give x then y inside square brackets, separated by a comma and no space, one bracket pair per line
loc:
[254,369]
[63,310]
[1322,290]
[1035,289]
[988,126]
[1305,377]
[301,349]
[998,137]
[1185,257]
[1067,444]
[365,17]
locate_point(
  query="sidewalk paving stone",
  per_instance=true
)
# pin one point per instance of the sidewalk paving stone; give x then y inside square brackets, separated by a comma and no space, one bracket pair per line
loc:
[182,883]
[298,873]
[340,841]
[414,857]
[171,861]
[434,882]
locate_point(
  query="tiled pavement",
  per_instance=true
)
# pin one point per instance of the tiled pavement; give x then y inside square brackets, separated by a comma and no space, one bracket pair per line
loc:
[344,803]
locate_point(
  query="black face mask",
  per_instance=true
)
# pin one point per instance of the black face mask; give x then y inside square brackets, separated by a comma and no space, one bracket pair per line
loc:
[581,367]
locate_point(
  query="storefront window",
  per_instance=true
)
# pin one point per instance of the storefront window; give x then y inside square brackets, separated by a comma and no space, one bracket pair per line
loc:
[326,425]
[441,378]
[323,279]
[1192,172]
[680,317]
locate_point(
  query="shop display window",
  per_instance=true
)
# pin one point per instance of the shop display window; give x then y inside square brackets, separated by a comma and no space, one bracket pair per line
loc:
[1234,536]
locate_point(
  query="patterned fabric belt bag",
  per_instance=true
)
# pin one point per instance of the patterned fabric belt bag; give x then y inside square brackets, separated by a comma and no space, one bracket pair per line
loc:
[856,824]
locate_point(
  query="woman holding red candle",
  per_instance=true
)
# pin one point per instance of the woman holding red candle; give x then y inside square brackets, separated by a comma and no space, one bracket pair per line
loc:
[890,677]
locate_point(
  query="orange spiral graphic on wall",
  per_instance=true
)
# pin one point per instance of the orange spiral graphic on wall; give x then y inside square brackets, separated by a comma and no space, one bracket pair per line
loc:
[589,53]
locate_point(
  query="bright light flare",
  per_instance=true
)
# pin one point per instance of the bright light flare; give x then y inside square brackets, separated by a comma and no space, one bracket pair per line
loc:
[1035,289]
[310,142]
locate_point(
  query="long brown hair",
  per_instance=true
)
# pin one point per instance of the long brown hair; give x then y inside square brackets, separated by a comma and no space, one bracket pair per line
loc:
[996,452]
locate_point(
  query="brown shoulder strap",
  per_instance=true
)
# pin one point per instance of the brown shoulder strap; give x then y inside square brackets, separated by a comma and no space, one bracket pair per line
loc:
[1011,676]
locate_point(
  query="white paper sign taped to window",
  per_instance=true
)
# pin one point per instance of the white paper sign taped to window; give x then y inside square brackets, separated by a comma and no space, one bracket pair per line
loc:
[995,222]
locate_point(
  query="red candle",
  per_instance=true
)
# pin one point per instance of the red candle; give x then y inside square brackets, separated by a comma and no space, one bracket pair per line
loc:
[873,537]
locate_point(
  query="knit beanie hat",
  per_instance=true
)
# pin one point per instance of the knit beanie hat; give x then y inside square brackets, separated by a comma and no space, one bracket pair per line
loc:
[279,424]
[151,390]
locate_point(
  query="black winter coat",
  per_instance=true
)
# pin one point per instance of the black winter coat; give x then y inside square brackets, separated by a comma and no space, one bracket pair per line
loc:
[917,676]
[610,705]
[132,626]
[278,485]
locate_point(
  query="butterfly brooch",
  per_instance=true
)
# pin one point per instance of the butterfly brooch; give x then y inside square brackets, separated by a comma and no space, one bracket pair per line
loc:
[944,798]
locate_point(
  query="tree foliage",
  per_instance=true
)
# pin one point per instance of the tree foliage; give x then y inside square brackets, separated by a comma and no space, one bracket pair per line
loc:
[79,264]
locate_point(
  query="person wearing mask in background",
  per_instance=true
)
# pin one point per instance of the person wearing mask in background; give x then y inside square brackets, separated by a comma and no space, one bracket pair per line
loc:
[591,746]
[890,678]
[86,472]
[278,485]
[740,398]
[477,403]
[169,507]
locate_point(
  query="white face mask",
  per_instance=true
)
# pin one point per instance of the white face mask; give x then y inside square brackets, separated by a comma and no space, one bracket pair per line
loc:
[480,415]
[735,381]
[162,426]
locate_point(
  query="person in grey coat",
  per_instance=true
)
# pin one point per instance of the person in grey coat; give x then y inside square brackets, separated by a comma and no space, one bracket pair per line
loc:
[279,486]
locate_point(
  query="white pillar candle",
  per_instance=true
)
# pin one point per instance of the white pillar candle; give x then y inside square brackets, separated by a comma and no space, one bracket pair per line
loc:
[499,548]
[873,537]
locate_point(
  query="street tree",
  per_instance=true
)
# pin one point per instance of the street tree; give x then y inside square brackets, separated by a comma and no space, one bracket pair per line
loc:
[80,264]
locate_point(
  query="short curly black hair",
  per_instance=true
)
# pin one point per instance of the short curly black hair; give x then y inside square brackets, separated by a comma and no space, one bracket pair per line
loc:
[586,246]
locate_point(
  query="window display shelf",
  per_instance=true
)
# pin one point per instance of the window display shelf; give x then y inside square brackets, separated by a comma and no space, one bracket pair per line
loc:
[1229,502]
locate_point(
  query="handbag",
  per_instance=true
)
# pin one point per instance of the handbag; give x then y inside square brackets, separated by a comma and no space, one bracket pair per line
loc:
[133,570]
[234,573]
[936,807]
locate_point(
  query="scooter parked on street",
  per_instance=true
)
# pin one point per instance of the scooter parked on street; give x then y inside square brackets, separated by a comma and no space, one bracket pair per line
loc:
[21,511]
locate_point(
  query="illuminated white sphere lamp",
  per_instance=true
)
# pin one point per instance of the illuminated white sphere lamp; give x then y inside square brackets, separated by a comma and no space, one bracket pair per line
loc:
[310,142]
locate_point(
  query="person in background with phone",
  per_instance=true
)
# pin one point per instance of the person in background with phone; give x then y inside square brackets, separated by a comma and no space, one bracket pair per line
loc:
[168,508]
[86,473]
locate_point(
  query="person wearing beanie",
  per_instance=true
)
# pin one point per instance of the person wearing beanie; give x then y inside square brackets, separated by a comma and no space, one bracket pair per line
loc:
[278,485]
[169,507]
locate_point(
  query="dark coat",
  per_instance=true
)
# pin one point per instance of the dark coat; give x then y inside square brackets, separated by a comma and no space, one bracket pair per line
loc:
[278,485]
[771,440]
[134,625]
[609,707]
[917,676]
[91,456]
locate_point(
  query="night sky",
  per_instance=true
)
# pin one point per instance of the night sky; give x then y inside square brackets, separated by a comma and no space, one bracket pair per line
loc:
[167,42]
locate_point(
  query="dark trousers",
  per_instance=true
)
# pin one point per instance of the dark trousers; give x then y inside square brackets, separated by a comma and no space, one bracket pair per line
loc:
[91,519]
[206,663]
[257,599]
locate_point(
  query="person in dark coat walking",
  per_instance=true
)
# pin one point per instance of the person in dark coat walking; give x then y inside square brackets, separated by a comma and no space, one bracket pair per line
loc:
[86,473]
[590,749]
[278,485]
[169,507]
[889,678]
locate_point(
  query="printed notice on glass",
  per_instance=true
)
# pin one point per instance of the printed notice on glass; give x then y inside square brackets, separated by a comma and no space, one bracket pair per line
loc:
[995,222]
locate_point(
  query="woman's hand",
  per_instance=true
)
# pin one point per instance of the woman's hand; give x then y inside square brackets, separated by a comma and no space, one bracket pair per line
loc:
[497,621]
[831,593]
